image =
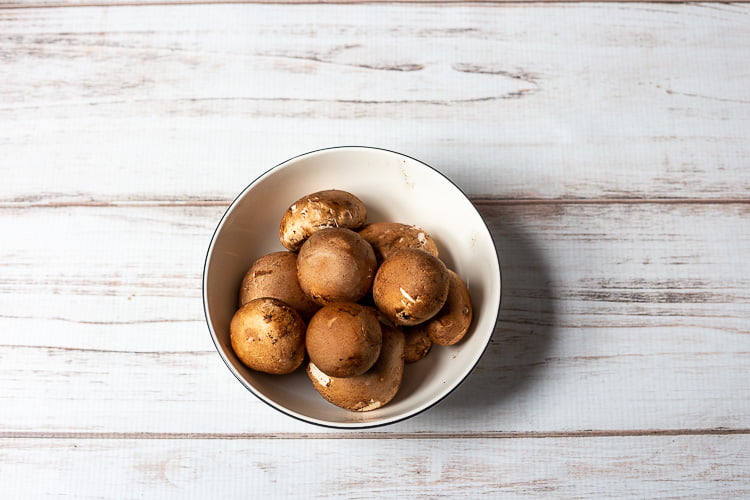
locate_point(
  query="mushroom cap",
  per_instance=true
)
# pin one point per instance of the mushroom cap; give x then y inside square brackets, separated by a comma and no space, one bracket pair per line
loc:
[335,265]
[275,275]
[344,339]
[410,286]
[387,237]
[268,335]
[374,388]
[320,210]
[452,322]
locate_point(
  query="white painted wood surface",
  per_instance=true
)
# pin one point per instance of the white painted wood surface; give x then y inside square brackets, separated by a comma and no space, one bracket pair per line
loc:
[14,4]
[614,317]
[663,467]
[538,101]
[607,145]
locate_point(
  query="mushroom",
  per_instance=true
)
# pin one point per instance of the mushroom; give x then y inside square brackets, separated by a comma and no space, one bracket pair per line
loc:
[453,320]
[387,237]
[268,336]
[371,390]
[418,343]
[410,286]
[344,339]
[275,275]
[335,265]
[320,210]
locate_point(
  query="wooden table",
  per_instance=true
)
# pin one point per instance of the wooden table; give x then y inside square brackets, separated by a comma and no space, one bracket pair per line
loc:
[607,145]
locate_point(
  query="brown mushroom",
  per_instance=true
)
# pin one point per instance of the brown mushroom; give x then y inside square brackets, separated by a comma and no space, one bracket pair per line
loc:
[418,343]
[344,339]
[410,286]
[268,336]
[320,210]
[453,320]
[387,237]
[275,275]
[371,390]
[335,265]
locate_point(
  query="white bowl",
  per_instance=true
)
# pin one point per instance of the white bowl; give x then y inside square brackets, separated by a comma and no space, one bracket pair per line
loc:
[395,188]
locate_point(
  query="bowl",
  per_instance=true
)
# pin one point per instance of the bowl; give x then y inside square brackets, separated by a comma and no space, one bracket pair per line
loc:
[394,187]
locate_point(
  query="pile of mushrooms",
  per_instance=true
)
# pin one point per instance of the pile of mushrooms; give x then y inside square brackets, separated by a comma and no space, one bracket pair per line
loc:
[356,300]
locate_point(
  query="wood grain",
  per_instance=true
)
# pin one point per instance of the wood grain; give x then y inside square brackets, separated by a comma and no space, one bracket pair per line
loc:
[614,318]
[526,101]
[678,467]
[33,4]
[604,143]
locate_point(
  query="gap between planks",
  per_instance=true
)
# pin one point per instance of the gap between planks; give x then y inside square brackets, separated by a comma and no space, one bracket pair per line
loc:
[718,431]
[476,200]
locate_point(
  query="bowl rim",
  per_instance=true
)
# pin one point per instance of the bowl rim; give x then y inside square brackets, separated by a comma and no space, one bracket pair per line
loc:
[311,420]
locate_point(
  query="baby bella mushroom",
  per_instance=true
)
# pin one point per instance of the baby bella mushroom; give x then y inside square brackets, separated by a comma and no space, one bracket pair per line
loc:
[335,265]
[344,339]
[275,275]
[268,336]
[418,343]
[374,388]
[387,237]
[320,210]
[452,322]
[410,286]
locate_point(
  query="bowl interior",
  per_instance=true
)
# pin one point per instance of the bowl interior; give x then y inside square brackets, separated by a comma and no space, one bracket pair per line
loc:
[394,188]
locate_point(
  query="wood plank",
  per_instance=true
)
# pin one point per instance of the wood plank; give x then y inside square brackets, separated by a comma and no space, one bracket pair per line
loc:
[521,101]
[658,468]
[614,317]
[34,4]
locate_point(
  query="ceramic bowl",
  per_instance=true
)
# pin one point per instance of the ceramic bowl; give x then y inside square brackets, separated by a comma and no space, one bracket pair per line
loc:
[394,187]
